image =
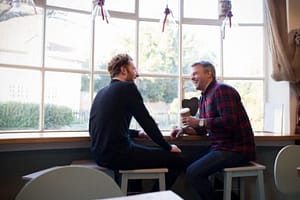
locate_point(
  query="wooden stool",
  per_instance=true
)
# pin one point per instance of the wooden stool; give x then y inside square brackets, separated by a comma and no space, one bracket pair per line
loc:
[254,169]
[152,173]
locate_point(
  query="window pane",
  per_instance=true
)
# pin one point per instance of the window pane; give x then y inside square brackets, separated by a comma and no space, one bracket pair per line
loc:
[158,50]
[68,39]
[109,40]
[207,9]
[247,11]
[161,98]
[121,5]
[21,35]
[190,90]
[67,101]
[74,4]
[70,42]
[100,81]
[200,43]
[251,93]
[243,52]
[156,8]
[19,99]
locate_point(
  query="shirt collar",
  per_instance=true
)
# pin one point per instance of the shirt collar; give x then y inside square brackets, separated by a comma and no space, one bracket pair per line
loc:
[114,80]
[209,87]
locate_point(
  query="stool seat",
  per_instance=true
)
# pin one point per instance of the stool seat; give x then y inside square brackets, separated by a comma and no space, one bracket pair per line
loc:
[254,169]
[141,171]
[151,173]
[252,166]
[93,165]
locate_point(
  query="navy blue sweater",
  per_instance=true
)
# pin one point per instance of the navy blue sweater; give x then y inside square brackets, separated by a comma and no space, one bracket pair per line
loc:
[110,117]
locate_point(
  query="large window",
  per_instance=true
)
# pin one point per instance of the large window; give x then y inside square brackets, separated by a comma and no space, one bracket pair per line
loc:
[53,58]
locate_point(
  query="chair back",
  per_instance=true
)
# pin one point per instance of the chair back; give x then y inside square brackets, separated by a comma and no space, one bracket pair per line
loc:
[192,104]
[70,183]
[286,178]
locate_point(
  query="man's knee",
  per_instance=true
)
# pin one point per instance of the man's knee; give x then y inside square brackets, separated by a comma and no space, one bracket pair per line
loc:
[192,174]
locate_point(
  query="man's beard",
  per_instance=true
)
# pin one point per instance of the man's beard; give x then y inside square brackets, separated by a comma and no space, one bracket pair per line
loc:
[130,77]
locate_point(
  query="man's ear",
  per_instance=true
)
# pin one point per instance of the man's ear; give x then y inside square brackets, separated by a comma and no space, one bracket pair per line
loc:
[209,73]
[123,71]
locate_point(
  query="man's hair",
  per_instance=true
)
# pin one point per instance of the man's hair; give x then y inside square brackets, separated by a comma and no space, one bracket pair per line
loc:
[208,67]
[118,61]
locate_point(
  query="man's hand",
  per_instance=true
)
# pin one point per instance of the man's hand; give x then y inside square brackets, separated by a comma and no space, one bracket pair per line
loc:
[175,149]
[189,131]
[175,133]
[190,121]
[143,134]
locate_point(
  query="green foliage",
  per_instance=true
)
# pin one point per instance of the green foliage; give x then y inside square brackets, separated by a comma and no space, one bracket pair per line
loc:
[195,50]
[57,116]
[154,90]
[85,83]
[100,82]
[19,116]
[15,115]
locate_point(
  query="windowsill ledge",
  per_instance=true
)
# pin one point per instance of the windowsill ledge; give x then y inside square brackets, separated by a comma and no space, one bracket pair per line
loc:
[40,141]
[56,140]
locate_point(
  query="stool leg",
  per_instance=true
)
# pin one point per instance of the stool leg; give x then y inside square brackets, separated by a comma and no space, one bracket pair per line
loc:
[124,183]
[227,186]
[211,178]
[260,185]
[162,183]
[242,188]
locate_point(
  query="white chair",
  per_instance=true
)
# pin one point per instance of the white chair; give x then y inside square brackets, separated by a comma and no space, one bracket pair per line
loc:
[286,178]
[70,183]
[92,164]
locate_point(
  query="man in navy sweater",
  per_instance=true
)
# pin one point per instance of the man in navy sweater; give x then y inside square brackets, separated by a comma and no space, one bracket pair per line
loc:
[110,117]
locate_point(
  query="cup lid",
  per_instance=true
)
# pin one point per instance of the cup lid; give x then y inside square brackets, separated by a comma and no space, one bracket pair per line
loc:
[184,110]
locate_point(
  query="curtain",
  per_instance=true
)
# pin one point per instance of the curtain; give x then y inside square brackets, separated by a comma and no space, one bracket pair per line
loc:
[285,46]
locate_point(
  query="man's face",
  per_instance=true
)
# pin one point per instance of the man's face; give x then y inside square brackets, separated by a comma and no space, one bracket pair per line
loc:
[200,77]
[132,73]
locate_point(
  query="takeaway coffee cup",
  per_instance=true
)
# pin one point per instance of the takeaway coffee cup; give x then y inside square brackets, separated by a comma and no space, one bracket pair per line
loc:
[185,112]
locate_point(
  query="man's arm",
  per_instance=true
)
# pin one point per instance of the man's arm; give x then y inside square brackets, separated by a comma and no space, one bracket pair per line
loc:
[142,116]
[138,133]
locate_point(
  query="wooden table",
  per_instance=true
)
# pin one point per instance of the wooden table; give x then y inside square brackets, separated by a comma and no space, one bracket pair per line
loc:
[162,195]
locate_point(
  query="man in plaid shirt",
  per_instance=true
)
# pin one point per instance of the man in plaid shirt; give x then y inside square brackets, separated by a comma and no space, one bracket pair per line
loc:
[223,118]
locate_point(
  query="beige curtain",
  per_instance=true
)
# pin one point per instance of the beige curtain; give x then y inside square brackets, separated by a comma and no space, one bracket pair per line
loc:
[285,47]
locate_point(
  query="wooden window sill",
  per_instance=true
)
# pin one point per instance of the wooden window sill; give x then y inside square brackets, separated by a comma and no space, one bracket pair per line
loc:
[33,141]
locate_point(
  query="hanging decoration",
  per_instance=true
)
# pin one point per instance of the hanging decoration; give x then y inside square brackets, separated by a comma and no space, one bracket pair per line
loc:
[99,10]
[168,17]
[225,14]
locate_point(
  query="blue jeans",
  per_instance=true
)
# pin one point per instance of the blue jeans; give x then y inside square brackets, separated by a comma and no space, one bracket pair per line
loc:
[209,162]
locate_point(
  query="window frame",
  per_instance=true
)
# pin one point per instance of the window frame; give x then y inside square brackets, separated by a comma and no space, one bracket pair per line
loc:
[132,16]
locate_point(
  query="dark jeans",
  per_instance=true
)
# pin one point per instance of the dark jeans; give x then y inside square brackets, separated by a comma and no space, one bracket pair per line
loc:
[209,162]
[140,156]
